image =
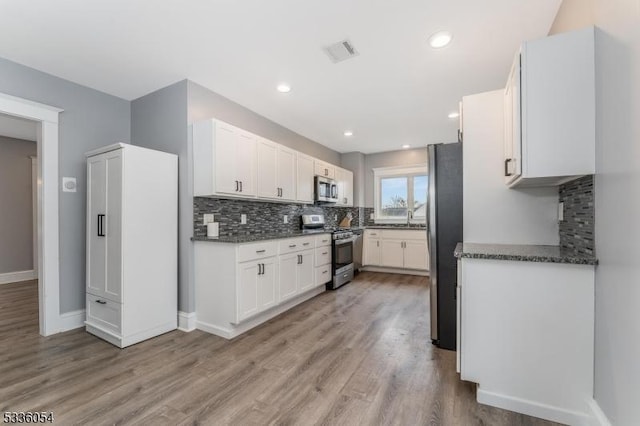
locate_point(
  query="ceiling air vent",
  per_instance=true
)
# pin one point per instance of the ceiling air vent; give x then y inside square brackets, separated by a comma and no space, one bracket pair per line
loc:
[340,51]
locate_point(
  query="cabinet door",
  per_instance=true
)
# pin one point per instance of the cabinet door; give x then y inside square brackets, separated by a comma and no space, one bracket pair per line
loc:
[247,290]
[246,163]
[267,169]
[304,181]
[348,188]
[372,251]
[267,294]
[226,158]
[113,226]
[391,253]
[287,272]
[287,173]
[512,136]
[96,208]
[306,271]
[321,168]
[416,255]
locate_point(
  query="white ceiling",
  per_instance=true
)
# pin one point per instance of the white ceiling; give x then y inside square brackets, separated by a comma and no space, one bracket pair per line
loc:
[18,128]
[397,91]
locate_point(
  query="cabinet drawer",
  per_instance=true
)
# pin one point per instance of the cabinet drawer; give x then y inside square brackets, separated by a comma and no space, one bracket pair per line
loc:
[323,240]
[323,256]
[104,313]
[291,245]
[404,235]
[257,250]
[372,233]
[323,275]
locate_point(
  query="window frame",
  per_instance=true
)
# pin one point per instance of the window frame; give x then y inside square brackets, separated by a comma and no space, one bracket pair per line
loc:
[397,171]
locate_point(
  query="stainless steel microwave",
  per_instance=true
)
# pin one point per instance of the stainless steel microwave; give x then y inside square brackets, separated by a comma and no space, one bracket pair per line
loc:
[326,190]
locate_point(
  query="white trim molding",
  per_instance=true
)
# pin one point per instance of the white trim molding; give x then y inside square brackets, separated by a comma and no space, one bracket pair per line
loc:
[532,408]
[598,418]
[71,320]
[14,277]
[46,117]
[186,321]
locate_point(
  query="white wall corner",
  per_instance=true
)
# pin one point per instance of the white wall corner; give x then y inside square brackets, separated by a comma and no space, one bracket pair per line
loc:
[71,320]
[598,418]
[186,321]
[13,277]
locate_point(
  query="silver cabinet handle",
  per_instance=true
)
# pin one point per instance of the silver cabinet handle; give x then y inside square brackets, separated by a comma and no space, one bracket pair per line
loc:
[240,186]
[292,245]
[102,302]
[345,275]
[305,244]
[325,272]
[260,251]
[237,186]
[326,252]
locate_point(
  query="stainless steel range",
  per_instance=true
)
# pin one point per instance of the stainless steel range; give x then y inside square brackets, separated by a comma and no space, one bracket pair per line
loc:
[341,249]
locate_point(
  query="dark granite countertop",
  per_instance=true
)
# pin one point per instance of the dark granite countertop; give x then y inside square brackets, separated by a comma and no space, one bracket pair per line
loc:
[524,253]
[237,239]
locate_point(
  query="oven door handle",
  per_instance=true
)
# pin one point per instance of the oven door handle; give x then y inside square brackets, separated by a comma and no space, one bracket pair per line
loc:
[344,241]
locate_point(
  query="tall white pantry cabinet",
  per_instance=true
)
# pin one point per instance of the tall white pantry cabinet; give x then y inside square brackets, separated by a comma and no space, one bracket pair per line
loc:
[132,243]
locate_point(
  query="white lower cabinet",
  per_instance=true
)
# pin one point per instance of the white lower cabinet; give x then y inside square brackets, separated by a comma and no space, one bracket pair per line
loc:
[400,249]
[239,286]
[322,260]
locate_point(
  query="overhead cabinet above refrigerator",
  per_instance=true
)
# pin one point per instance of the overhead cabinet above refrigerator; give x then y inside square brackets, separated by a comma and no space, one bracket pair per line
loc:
[132,243]
[550,111]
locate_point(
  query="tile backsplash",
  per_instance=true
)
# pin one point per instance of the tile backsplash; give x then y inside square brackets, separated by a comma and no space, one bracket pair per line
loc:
[262,217]
[577,230]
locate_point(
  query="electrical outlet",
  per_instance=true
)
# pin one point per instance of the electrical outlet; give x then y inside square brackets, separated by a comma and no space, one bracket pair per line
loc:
[335,217]
[243,219]
[285,219]
[372,216]
[560,212]
[207,218]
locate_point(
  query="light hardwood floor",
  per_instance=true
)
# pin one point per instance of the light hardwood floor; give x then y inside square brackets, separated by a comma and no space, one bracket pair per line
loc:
[359,355]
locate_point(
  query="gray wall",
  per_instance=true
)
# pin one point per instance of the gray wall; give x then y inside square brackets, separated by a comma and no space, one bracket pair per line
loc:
[159,121]
[406,157]
[16,210]
[617,370]
[355,161]
[203,104]
[91,119]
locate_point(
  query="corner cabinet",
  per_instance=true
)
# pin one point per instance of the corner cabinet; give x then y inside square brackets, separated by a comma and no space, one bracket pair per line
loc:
[550,111]
[224,160]
[131,274]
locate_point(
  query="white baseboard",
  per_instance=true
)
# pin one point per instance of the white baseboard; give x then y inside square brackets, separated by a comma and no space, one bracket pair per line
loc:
[532,408]
[394,271]
[186,321]
[598,418]
[71,320]
[12,277]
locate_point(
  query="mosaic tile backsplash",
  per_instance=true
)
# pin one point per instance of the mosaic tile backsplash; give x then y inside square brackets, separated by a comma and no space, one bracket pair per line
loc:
[577,230]
[262,217]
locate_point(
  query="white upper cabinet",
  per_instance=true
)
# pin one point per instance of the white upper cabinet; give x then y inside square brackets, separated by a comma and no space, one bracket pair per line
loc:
[224,160]
[325,169]
[276,171]
[345,187]
[550,111]
[304,178]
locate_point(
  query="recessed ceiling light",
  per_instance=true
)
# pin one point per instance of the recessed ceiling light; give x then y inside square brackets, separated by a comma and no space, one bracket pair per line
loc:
[440,39]
[405,146]
[348,133]
[454,115]
[284,88]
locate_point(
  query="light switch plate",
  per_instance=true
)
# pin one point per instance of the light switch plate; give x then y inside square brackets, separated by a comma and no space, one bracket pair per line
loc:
[69,184]
[243,219]
[285,219]
[207,218]
[560,212]
[371,216]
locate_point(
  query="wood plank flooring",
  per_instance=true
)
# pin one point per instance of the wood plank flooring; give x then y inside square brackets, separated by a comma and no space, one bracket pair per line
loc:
[357,356]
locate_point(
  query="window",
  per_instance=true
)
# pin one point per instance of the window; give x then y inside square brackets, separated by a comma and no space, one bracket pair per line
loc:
[400,194]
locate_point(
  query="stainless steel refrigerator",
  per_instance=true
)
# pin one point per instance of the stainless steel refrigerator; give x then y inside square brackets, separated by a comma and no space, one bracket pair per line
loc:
[444,231]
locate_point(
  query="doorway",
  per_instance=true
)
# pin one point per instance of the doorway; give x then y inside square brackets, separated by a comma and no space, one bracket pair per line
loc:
[45,118]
